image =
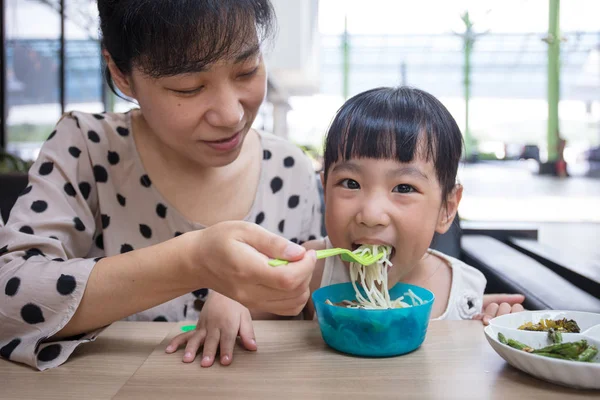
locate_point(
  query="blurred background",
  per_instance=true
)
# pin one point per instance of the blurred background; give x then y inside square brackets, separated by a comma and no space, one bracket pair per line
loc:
[521,77]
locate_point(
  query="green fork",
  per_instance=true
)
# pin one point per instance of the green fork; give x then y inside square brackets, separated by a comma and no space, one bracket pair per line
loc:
[346,255]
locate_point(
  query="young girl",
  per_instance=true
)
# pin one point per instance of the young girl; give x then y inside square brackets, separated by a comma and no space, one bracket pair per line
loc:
[391,158]
[390,164]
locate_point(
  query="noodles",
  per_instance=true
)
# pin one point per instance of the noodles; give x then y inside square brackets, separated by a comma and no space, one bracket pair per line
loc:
[374,281]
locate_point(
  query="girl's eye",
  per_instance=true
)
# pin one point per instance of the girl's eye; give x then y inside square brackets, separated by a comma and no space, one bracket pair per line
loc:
[189,92]
[349,184]
[403,189]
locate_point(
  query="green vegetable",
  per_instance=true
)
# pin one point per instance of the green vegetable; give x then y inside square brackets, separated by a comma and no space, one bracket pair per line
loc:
[588,354]
[555,336]
[502,338]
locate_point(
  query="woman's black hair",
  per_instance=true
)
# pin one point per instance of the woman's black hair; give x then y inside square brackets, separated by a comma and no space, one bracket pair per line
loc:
[170,37]
[396,123]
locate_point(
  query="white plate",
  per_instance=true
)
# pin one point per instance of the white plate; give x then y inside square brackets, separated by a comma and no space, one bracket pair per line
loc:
[568,373]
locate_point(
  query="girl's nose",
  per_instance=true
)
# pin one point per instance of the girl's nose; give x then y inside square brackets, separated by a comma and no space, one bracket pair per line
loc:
[373,214]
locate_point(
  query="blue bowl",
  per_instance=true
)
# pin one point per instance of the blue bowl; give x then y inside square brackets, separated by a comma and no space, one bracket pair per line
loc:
[372,333]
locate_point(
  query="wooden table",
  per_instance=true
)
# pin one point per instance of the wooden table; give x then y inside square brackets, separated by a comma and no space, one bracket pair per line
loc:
[128,362]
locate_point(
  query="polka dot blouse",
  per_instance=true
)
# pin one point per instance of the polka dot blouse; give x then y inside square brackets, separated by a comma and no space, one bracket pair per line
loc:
[89,197]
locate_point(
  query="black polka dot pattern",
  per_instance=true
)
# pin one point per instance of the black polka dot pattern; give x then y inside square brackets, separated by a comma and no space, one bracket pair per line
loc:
[281,225]
[100,241]
[122,200]
[12,286]
[276,184]
[260,218]
[93,136]
[51,135]
[123,131]
[7,349]
[39,342]
[85,189]
[184,310]
[267,155]
[53,237]
[78,224]
[58,259]
[74,151]
[32,253]
[32,314]
[288,162]
[293,201]
[98,116]
[161,210]
[105,221]
[125,248]
[69,189]
[178,234]
[200,292]
[3,250]
[26,190]
[312,237]
[113,157]
[145,181]
[160,318]
[66,284]
[294,240]
[146,231]
[100,174]
[39,206]
[46,168]
[26,229]
[49,353]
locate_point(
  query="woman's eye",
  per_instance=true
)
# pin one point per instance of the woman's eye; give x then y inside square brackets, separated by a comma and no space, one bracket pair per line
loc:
[403,189]
[189,92]
[349,184]
[249,73]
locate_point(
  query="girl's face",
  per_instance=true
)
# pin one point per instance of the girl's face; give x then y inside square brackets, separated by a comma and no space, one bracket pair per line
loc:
[372,201]
[202,116]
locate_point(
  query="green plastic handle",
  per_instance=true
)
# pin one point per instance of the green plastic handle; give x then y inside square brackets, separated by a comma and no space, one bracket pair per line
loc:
[320,254]
[187,328]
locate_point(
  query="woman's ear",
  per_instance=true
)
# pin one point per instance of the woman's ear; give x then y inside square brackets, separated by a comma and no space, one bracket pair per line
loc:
[120,80]
[448,213]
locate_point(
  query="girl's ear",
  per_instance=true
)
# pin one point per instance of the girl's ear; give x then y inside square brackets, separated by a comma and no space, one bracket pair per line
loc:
[448,213]
[121,80]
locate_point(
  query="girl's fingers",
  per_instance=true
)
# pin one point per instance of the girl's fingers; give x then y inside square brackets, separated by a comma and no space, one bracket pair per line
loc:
[228,338]
[193,344]
[213,337]
[504,308]
[517,308]
[178,340]
[247,332]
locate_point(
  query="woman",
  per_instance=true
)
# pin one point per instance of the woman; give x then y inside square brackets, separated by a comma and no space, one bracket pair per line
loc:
[124,215]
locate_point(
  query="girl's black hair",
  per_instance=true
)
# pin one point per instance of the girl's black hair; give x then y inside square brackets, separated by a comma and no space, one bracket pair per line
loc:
[170,37]
[396,123]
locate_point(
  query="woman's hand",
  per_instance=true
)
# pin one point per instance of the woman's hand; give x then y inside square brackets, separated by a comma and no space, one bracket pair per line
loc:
[495,305]
[232,259]
[221,321]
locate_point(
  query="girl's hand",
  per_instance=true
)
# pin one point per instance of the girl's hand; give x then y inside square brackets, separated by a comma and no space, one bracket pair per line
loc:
[232,258]
[221,321]
[495,305]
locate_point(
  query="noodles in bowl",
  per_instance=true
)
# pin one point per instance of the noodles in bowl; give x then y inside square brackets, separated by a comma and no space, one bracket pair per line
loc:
[367,319]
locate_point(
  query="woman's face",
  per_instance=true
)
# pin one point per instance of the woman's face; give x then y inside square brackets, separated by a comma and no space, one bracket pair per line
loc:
[204,116]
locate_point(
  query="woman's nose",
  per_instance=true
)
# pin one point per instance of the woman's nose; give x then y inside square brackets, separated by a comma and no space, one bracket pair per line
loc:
[226,110]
